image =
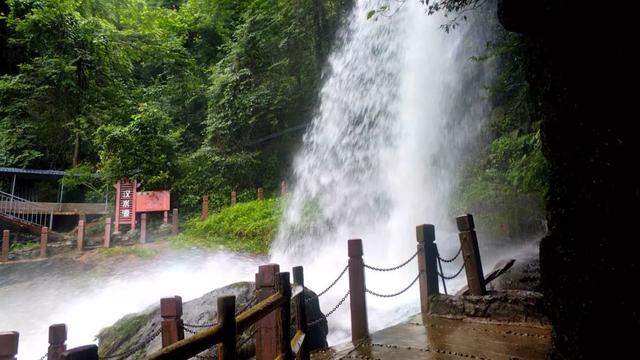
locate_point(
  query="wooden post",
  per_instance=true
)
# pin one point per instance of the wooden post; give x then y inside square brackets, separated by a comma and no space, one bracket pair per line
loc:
[283,187]
[205,207]
[284,321]
[143,228]
[427,264]
[5,245]
[174,224]
[260,193]
[9,344]
[227,319]
[359,322]
[471,255]
[107,232]
[266,328]
[80,235]
[44,240]
[171,325]
[87,352]
[57,340]
[234,198]
[301,312]
[117,213]
[165,217]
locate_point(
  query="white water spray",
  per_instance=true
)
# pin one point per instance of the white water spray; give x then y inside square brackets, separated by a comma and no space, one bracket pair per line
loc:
[88,300]
[381,156]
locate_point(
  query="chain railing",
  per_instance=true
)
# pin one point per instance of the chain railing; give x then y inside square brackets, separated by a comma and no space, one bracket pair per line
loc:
[325,316]
[276,294]
[396,293]
[403,264]
[453,258]
[190,327]
[441,274]
[311,298]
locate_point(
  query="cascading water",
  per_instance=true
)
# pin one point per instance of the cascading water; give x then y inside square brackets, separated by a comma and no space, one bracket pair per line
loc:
[400,104]
[382,154]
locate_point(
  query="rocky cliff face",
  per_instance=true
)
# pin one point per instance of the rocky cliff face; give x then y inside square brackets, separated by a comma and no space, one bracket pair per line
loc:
[579,70]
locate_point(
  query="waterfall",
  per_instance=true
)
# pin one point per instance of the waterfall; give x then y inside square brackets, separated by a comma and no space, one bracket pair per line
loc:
[400,103]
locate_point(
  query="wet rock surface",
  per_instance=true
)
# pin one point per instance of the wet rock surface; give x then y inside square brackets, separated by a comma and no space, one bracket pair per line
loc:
[514,296]
[137,335]
[511,306]
[523,275]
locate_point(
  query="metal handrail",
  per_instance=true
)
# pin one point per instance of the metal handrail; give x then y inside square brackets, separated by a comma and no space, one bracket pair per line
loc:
[25,210]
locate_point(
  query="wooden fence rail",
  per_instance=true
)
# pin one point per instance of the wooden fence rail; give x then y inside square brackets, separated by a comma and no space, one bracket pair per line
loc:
[271,315]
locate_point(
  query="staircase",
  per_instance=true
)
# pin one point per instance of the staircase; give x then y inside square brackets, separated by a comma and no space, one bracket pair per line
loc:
[24,213]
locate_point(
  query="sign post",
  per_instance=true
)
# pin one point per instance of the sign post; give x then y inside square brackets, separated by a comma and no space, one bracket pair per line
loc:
[125,203]
[130,202]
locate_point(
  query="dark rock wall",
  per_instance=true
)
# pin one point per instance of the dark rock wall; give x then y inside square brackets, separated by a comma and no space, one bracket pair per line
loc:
[583,76]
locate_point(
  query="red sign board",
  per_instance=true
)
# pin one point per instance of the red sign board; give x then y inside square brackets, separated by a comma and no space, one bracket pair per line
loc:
[126,203]
[148,201]
[129,202]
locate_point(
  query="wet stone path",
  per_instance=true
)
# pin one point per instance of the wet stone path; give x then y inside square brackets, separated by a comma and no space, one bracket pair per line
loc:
[448,339]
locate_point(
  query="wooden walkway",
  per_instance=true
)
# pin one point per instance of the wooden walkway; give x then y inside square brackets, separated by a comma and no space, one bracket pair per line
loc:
[448,339]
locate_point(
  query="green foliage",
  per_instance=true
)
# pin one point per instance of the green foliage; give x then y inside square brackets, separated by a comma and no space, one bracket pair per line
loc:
[168,92]
[121,336]
[23,246]
[248,227]
[506,183]
[144,149]
[134,250]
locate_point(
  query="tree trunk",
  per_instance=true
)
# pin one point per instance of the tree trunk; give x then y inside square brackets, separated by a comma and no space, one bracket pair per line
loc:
[76,150]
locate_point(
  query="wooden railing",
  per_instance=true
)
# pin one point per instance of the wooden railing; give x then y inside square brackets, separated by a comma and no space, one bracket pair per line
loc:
[271,314]
[224,334]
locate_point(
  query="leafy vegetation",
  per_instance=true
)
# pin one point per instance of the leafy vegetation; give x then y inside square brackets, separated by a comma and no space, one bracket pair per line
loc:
[15,246]
[506,184]
[133,250]
[248,227]
[172,93]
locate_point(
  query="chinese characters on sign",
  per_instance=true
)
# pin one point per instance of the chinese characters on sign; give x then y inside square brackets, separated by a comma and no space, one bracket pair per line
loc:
[125,203]
[129,202]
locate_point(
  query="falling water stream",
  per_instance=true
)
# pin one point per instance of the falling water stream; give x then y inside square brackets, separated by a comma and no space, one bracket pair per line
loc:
[400,104]
[397,110]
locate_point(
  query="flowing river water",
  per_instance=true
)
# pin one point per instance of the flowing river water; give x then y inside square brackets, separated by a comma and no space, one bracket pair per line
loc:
[400,105]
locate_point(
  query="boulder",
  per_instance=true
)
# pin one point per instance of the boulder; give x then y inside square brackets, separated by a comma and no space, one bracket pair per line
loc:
[135,334]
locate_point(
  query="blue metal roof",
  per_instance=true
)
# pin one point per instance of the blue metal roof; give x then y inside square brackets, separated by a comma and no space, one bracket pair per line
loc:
[17,171]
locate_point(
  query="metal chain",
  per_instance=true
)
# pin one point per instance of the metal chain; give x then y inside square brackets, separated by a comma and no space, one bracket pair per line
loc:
[444,283]
[324,317]
[329,287]
[395,267]
[192,332]
[136,348]
[199,326]
[249,304]
[452,259]
[452,276]
[397,293]
[246,339]
[189,327]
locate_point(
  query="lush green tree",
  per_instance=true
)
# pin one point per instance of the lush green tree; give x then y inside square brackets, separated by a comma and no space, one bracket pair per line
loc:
[144,149]
[174,93]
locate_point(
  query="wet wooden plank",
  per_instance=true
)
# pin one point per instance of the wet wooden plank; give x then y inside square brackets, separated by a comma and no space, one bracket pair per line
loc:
[444,338]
